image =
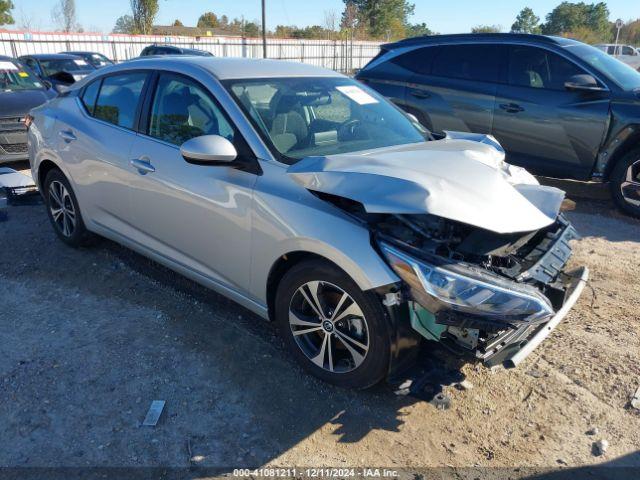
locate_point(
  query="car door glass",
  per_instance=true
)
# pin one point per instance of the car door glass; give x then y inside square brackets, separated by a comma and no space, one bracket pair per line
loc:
[183,110]
[416,61]
[118,99]
[90,95]
[468,62]
[538,68]
[627,50]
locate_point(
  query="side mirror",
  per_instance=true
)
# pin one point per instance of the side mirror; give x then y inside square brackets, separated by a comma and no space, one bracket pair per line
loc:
[208,149]
[583,82]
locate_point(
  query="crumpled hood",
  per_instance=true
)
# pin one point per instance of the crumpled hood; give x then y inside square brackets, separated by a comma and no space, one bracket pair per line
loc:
[462,177]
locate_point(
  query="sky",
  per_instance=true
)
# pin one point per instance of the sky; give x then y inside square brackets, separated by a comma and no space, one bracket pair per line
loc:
[452,16]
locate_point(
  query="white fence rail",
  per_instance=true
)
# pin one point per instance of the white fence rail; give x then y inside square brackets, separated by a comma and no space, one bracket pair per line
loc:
[344,56]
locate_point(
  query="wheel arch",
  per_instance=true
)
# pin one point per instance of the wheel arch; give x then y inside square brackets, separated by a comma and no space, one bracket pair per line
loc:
[44,168]
[626,141]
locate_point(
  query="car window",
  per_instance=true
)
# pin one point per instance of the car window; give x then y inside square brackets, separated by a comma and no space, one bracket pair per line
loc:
[468,62]
[13,76]
[90,95]
[182,110]
[53,66]
[118,98]
[416,61]
[538,68]
[627,50]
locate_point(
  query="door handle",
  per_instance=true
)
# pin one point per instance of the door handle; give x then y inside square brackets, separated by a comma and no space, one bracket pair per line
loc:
[143,166]
[419,94]
[511,107]
[67,135]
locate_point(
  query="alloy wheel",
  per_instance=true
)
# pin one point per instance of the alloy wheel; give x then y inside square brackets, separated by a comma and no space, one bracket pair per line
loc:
[630,186]
[329,327]
[61,207]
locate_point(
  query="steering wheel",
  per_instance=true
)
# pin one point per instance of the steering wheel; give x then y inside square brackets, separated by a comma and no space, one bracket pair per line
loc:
[350,130]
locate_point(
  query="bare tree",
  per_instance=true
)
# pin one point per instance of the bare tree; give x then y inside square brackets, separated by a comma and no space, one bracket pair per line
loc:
[144,13]
[330,22]
[27,21]
[64,15]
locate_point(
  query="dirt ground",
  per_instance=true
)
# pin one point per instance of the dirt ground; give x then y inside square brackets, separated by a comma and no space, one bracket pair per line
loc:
[90,337]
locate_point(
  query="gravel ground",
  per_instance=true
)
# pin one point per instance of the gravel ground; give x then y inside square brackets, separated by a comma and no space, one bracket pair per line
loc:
[90,337]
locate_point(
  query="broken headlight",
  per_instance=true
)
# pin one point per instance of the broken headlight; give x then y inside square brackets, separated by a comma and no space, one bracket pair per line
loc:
[467,290]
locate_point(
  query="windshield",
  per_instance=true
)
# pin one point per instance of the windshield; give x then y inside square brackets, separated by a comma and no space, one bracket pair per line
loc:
[15,77]
[51,67]
[311,116]
[620,73]
[95,59]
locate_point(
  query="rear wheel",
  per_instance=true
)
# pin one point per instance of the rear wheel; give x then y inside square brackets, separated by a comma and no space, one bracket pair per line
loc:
[63,210]
[335,331]
[625,183]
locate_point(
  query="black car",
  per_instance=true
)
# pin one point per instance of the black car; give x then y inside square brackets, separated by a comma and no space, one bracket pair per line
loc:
[59,69]
[559,107]
[95,59]
[20,91]
[171,50]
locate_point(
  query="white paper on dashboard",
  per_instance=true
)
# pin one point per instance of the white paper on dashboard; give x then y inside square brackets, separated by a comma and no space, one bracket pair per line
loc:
[356,94]
[8,66]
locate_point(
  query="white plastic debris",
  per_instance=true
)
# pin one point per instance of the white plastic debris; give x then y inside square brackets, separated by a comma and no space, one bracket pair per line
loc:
[635,401]
[153,415]
[600,447]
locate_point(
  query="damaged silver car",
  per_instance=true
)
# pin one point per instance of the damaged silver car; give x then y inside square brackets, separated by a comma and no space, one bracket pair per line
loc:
[314,202]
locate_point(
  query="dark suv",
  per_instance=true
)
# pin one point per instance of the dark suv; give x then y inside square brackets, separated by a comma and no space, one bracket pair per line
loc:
[171,50]
[559,107]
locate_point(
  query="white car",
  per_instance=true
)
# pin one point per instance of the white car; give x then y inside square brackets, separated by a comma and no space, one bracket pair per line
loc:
[625,53]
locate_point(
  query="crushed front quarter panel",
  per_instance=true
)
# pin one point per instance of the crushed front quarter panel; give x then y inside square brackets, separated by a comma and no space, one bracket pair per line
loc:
[458,179]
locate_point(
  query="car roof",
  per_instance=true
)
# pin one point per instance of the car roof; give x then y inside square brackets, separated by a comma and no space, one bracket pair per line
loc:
[4,58]
[481,37]
[51,56]
[233,68]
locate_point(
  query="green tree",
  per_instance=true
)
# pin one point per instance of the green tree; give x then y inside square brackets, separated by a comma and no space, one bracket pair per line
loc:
[418,30]
[630,32]
[252,29]
[568,17]
[144,13]
[124,24]
[5,12]
[208,20]
[178,23]
[382,18]
[486,29]
[526,22]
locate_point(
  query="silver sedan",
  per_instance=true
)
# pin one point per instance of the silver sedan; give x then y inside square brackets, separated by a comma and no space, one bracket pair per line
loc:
[312,201]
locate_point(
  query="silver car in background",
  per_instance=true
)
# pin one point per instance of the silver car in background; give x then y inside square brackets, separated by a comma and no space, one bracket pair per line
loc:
[314,202]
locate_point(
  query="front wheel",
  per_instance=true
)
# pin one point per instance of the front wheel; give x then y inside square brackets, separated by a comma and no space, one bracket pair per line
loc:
[625,183]
[335,331]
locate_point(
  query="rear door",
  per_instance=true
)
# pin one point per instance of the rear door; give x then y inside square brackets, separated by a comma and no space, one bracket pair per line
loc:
[95,138]
[543,126]
[456,89]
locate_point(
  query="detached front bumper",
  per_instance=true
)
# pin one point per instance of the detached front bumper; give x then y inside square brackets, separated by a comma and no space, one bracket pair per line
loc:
[513,346]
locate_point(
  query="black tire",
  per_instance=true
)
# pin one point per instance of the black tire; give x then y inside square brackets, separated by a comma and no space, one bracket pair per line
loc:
[618,177]
[375,365]
[78,235]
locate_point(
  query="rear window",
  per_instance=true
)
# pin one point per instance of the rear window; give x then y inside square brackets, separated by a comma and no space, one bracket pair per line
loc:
[118,99]
[468,62]
[416,61]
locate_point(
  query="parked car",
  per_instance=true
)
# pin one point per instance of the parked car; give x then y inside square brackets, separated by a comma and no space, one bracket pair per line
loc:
[95,59]
[58,69]
[559,107]
[20,91]
[314,202]
[625,53]
[171,50]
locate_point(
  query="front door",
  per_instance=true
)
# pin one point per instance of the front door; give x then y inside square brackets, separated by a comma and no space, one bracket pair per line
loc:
[198,216]
[543,126]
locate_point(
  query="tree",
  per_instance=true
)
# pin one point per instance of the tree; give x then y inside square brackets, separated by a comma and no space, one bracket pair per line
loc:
[144,13]
[526,22]
[125,24]
[418,30]
[382,18]
[5,12]
[208,20]
[486,29]
[177,23]
[64,15]
[568,17]
[630,32]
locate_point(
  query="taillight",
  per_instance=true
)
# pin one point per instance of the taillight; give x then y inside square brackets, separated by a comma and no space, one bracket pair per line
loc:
[28,120]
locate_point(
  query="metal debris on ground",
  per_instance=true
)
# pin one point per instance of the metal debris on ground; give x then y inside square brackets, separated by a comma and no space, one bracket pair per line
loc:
[600,447]
[441,401]
[593,431]
[464,385]
[153,415]
[635,401]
